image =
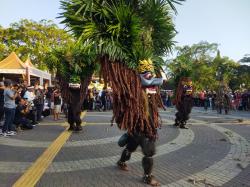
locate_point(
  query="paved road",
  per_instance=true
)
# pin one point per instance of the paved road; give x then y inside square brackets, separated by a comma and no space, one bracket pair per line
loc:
[214,151]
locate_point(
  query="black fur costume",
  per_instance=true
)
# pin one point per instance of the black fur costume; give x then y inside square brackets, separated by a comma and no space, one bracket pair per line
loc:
[184,102]
[74,109]
[148,150]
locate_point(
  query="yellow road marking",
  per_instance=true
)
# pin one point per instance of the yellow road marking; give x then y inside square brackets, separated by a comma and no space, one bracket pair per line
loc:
[98,123]
[35,172]
[98,115]
[65,124]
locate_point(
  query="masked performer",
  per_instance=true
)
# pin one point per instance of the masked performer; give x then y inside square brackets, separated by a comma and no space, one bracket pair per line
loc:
[184,102]
[73,92]
[135,107]
[118,50]
[74,107]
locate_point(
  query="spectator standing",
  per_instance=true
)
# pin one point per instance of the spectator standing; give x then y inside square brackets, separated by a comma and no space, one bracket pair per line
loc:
[169,98]
[201,98]
[237,100]
[226,103]
[164,98]
[51,105]
[48,94]
[104,98]
[25,88]
[39,101]
[30,96]
[57,104]
[248,99]
[244,100]
[213,100]
[9,108]
[1,101]
[196,99]
[205,100]
[98,102]
[109,100]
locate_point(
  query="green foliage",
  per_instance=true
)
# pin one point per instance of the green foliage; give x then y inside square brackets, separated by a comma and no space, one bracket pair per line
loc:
[72,62]
[123,30]
[74,79]
[245,59]
[241,77]
[33,39]
[159,28]
[192,61]
[226,67]
[198,62]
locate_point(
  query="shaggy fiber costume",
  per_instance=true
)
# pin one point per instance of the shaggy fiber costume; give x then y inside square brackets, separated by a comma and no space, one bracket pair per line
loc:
[184,102]
[135,108]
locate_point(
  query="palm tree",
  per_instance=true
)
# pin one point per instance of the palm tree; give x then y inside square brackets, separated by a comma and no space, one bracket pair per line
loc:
[121,33]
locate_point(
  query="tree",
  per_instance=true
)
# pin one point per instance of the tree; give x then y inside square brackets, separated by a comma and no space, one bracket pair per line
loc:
[226,66]
[245,59]
[241,78]
[198,62]
[194,61]
[33,39]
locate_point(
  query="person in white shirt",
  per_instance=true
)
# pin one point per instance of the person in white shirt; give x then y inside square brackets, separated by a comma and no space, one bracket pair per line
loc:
[29,94]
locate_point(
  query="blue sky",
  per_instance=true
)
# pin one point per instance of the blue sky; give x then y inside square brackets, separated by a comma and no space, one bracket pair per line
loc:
[226,22]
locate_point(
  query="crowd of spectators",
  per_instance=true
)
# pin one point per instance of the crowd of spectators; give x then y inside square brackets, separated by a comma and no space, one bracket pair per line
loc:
[236,100]
[23,107]
[167,97]
[102,100]
[98,100]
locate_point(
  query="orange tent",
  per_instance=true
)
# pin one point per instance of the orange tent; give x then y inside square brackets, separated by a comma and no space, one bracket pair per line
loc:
[12,64]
